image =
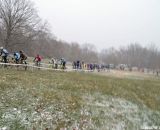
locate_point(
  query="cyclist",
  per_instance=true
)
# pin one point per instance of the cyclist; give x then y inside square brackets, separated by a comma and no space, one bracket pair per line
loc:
[63,63]
[4,53]
[23,57]
[37,60]
[16,57]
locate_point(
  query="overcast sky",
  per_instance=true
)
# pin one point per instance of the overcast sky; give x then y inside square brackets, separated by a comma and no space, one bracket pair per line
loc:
[104,23]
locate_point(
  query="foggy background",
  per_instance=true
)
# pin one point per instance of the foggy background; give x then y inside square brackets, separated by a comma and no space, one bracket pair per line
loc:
[104,23]
[94,31]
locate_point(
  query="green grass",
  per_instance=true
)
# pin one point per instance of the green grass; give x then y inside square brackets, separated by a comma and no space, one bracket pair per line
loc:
[56,92]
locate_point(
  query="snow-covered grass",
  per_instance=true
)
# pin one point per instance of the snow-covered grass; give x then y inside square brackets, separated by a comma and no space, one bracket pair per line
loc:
[41,100]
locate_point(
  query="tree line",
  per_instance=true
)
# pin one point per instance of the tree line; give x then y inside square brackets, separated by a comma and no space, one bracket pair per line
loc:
[133,55]
[22,29]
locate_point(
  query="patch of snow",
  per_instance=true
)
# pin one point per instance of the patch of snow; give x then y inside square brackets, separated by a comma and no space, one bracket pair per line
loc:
[98,112]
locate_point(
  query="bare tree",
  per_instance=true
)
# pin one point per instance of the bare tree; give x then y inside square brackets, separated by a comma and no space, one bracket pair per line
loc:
[89,53]
[110,56]
[75,52]
[133,55]
[17,19]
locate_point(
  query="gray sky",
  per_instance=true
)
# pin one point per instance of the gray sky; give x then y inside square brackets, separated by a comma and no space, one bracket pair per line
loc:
[104,23]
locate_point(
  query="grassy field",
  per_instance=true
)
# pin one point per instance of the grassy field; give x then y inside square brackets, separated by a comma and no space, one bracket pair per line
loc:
[49,100]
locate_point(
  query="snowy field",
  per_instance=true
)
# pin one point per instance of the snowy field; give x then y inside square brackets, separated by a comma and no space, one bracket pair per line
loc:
[43,100]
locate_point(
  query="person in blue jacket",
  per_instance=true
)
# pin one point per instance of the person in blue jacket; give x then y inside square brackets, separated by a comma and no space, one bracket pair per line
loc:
[16,57]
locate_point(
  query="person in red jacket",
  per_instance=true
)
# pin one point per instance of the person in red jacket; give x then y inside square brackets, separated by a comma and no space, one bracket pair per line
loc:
[38,60]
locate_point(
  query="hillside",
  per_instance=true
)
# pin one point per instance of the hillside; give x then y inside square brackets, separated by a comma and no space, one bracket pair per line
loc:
[42,100]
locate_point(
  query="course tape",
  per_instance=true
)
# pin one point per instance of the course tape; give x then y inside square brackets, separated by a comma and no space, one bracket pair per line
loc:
[45,68]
